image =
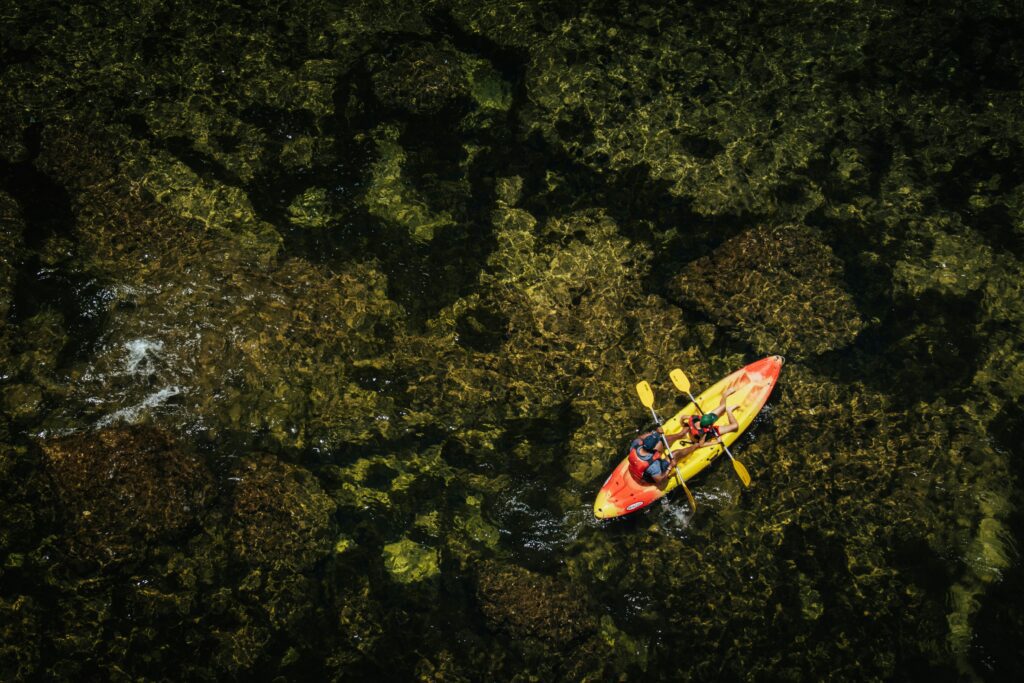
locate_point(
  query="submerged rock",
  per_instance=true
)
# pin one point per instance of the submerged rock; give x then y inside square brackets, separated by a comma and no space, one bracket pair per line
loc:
[22,401]
[511,24]
[778,288]
[392,197]
[279,515]
[238,338]
[311,209]
[204,127]
[12,224]
[410,562]
[956,261]
[685,93]
[422,78]
[527,605]
[123,490]
[20,637]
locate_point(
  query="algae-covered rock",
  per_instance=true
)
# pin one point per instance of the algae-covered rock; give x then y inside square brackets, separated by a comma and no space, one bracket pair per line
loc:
[421,78]
[472,525]
[22,401]
[779,288]
[509,190]
[12,255]
[280,517]
[358,621]
[239,648]
[19,644]
[629,650]
[687,94]
[12,224]
[358,24]
[124,489]
[213,205]
[37,348]
[311,209]
[410,562]
[507,23]
[487,87]
[138,207]
[203,126]
[525,605]
[956,262]
[275,348]
[392,198]
[304,152]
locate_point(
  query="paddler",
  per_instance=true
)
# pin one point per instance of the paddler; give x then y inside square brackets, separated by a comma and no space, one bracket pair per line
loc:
[702,427]
[647,460]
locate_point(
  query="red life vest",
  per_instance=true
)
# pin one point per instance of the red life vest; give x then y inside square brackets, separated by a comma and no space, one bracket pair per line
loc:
[638,465]
[696,431]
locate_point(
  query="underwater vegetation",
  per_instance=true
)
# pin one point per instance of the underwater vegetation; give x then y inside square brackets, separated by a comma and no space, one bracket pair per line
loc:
[319,325]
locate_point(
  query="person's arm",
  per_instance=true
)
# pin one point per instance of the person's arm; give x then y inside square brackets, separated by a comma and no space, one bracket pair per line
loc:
[672,438]
[683,452]
[658,478]
[676,457]
[666,473]
[705,443]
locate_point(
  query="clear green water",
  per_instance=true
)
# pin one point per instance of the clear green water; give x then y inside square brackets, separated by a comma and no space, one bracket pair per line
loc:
[320,328]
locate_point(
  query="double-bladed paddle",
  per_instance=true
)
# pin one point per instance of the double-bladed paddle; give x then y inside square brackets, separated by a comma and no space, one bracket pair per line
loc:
[643,389]
[683,384]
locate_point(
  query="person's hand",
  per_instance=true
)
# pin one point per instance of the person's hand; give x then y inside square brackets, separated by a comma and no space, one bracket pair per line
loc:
[660,430]
[729,392]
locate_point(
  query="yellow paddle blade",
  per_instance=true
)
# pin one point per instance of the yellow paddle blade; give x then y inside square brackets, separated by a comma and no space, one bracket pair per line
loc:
[689,496]
[680,380]
[643,390]
[741,472]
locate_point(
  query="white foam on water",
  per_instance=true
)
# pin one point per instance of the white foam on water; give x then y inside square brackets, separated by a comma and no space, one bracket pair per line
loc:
[679,516]
[140,354]
[132,413]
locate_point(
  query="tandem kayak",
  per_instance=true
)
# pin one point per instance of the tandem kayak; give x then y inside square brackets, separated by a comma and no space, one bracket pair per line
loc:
[622,494]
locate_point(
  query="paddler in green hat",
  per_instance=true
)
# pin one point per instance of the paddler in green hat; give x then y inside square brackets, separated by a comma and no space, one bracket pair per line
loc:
[701,427]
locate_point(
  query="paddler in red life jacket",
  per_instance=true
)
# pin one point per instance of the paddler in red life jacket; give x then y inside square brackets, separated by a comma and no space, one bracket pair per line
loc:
[647,461]
[701,428]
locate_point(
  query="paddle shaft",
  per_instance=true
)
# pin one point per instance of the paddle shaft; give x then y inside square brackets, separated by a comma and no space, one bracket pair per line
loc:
[668,449]
[664,440]
[643,390]
[683,384]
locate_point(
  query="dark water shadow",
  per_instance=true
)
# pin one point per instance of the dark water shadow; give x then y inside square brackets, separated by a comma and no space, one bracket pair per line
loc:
[47,211]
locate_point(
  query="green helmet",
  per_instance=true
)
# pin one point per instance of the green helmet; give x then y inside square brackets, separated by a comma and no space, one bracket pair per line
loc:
[708,419]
